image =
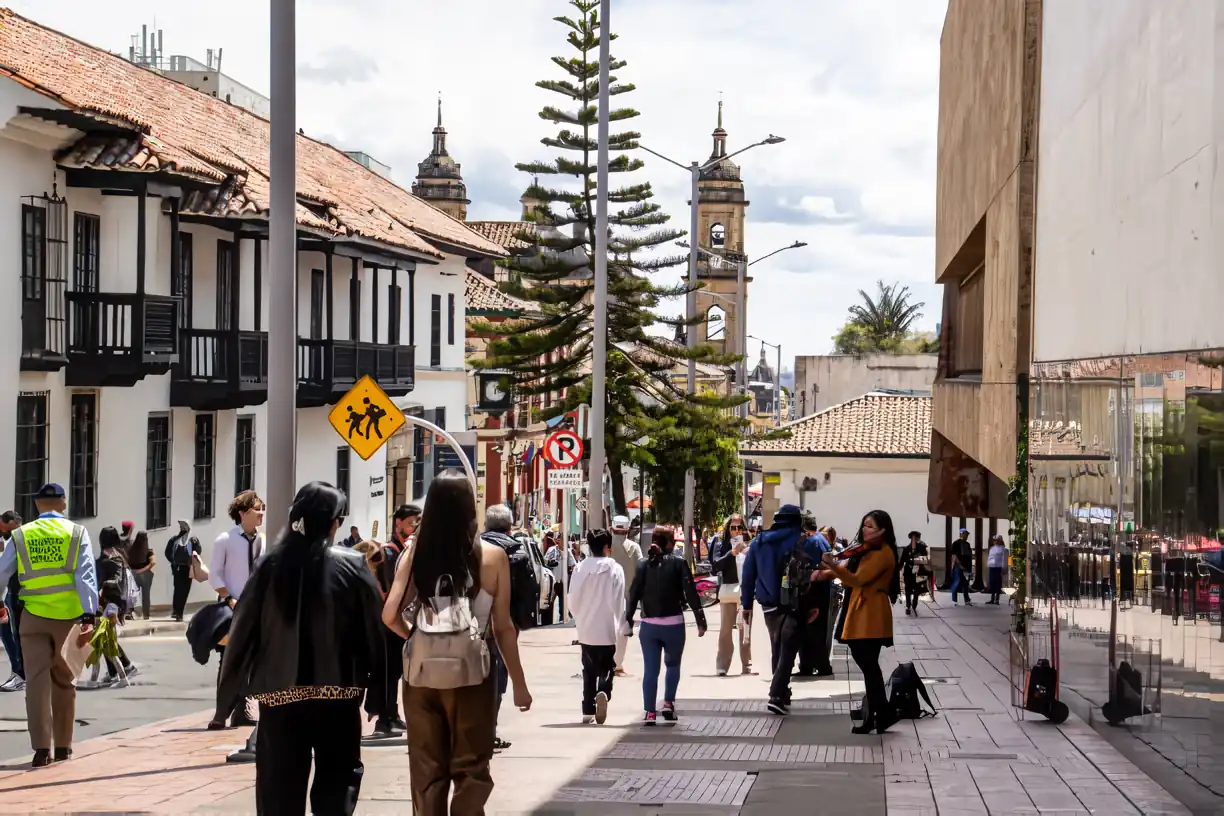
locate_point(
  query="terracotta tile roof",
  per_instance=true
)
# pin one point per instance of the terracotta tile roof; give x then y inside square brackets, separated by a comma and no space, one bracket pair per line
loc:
[183,131]
[503,233]
[482,296]
[875,424]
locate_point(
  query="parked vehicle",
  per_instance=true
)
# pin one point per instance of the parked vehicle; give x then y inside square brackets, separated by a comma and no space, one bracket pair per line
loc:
[544,576]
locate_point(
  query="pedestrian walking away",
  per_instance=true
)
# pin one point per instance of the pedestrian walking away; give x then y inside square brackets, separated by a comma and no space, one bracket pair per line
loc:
[53,560]
[728,551]
[180,552]
[996,563]
[445,585]
[597,599]
[914,560]
[141,561]
[777,575]
[114,577]
[962,566]
[871,575]
[306,643]
[815,651]
[627,553]
[233,560]
[10,622]
[663,586]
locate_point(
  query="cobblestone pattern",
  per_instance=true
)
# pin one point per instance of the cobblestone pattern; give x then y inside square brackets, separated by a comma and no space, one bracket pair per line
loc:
[760,706]
[719,788]
[745,752]
[759,727]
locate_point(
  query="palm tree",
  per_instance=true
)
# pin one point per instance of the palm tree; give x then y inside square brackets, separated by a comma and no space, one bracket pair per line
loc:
[888,316]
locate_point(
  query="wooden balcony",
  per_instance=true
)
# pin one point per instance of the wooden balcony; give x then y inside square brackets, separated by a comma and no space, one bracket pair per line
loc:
[327,369]
[118,338]
[220,369]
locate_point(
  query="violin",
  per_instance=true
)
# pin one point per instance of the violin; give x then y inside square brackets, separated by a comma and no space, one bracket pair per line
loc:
[858,548]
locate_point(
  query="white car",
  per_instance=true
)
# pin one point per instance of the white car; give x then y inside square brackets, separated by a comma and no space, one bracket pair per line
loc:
[544,576]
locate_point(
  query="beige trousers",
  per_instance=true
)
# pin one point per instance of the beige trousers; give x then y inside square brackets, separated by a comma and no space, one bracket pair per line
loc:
[52,662]
[729,635]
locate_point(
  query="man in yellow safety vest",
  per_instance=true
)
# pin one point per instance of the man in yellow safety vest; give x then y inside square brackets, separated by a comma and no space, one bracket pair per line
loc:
[53,560]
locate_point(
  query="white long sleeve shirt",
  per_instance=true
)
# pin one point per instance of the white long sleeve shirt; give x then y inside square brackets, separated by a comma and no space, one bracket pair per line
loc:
[597,599]
[232,559]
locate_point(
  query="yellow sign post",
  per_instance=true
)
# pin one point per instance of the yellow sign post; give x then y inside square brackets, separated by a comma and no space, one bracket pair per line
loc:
[366,417]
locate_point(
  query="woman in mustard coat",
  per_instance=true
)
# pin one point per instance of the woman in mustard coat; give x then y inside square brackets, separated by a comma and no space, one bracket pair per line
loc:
[869,575]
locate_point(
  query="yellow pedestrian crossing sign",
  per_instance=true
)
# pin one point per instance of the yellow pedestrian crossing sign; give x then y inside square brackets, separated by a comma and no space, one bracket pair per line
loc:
[366,417]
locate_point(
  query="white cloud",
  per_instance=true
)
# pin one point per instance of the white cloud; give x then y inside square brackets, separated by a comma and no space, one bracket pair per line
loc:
[851,84]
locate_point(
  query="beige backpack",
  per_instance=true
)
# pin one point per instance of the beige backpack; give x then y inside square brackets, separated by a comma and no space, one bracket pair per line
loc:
[447,648]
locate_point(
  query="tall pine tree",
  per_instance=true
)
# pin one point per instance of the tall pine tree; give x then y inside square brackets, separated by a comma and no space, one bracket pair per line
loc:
[557,272]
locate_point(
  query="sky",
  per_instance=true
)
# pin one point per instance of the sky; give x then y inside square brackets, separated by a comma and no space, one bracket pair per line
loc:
[851,84]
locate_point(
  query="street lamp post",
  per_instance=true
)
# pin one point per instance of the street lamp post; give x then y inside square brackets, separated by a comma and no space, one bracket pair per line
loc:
[599,339]
[695,170]
[777,379]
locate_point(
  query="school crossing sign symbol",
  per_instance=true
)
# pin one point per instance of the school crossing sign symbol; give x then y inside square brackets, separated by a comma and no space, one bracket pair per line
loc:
[563,449]
[366,417]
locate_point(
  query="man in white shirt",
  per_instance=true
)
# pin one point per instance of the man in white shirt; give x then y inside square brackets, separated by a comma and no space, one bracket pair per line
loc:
[234,556]
[627,553]
[597,600]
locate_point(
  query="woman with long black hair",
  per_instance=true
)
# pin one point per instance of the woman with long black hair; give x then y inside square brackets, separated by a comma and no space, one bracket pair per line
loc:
[867,627]
[307,643]
[663,585]
[451,729]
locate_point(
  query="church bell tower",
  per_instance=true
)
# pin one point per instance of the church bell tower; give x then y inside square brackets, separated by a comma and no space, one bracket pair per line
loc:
[720,222]
[439,180]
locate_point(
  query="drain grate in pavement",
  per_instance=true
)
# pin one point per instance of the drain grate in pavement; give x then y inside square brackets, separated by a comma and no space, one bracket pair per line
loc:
[725,788]
[745,752]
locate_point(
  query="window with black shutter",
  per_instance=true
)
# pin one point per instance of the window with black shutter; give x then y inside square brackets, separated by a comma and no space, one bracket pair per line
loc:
[244,455]
[31,458]
[343,460]
[83,492]
[87,232]
[435,331]
[226,280]
[203,492]
[418,462]
[157,473]
[395,304]
[450,320]
[354,309]
[182,285]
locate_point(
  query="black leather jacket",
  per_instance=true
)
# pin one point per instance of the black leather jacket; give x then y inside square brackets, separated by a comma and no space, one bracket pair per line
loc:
[663,586]
[335,639]
[722,559]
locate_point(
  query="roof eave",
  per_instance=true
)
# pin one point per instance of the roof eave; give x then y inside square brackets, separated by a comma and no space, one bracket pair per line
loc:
[758,454]
[451,248]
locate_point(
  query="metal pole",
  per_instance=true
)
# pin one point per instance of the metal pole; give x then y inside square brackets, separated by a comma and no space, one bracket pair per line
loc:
[282,264]
[690,487]
[778,389]
[599,342]
[741,312]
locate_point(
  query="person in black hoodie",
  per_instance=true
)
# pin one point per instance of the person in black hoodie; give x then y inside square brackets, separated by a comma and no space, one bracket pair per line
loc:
[307,643]
[663,585]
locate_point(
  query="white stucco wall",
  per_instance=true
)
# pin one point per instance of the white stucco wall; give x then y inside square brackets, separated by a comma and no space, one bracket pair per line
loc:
[856,486]
[1130,204]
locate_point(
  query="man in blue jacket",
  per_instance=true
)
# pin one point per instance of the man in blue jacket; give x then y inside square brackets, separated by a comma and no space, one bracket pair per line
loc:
[764,571]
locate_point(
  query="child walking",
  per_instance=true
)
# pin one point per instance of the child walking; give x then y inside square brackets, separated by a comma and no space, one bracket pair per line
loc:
[597,601]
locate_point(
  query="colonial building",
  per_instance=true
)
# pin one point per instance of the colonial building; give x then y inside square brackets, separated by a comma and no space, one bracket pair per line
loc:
[137,296]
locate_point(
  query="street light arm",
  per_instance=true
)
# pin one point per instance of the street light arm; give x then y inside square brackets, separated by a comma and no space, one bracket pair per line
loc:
[796,245]
[713,162]
[763,342]
[684,167]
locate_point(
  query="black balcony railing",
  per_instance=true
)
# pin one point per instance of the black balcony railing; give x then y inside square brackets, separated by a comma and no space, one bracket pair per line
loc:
[116,338]
[328,368]
[220,369]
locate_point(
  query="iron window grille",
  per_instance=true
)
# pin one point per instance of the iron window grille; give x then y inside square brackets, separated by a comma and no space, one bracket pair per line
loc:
[157,472]
[204,492]
[83,491]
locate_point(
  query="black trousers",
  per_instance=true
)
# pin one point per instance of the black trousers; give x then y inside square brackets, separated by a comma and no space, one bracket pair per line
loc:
[598,669]
[289,736]
[182,588]
[786,632]
[866,654]
[814,651]
[389,706]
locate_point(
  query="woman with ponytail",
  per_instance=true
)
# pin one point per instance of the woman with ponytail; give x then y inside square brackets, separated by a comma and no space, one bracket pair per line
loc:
[307,643]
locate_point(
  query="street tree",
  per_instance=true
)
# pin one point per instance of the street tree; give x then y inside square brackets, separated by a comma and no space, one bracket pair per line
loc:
[550,351]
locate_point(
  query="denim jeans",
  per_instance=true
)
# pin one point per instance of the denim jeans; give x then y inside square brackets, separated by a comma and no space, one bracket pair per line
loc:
[960,581]
[10,635]
[661,643]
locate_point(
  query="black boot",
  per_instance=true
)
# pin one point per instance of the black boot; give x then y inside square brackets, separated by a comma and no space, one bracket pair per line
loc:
[42,758]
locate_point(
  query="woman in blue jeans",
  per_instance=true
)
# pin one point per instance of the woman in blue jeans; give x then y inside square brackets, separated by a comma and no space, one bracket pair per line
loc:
[663,586]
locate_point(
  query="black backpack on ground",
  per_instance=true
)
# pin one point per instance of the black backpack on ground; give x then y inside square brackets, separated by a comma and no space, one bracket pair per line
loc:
[524,585]
[906,694]
[1041,694]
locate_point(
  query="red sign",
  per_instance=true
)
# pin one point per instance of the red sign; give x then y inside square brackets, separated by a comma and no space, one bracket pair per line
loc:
[563,449]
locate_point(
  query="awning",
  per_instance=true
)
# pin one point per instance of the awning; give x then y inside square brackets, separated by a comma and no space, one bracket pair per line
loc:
[756,488]
[634,505]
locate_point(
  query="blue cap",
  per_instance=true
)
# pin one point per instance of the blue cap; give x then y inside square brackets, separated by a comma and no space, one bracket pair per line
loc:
[50,491]
[964,530]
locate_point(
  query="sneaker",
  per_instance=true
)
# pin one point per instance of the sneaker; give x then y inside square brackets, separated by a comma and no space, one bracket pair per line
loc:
[386,728]
[19,685]
[722,672]
[588,719]
[651,718]
[669,712]
[500,744]
[778,707]
[398,722]
[119,683]
[9,684]
[42,758]
[131,671]
[601,707]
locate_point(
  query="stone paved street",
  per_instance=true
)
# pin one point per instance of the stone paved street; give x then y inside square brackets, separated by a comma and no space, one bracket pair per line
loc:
[725,756]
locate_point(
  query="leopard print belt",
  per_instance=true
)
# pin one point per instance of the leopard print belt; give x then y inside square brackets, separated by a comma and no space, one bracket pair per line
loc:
[299,693]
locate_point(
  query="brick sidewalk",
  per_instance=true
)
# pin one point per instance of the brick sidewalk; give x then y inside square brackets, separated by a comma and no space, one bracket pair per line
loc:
[727,755]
